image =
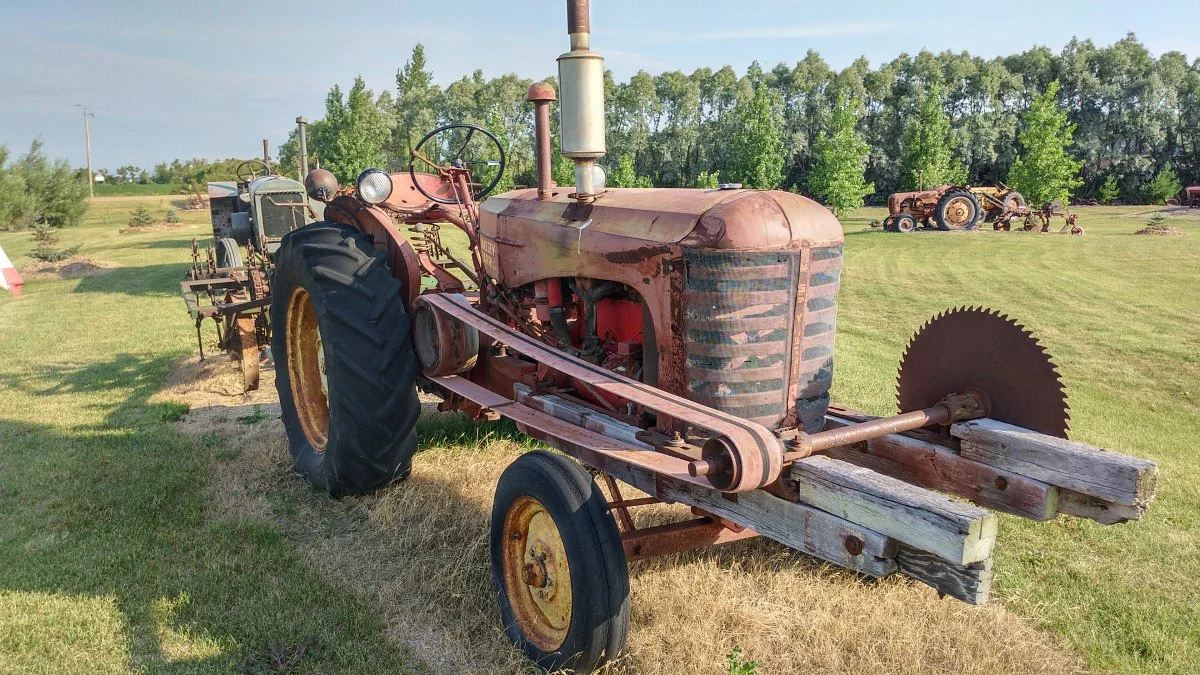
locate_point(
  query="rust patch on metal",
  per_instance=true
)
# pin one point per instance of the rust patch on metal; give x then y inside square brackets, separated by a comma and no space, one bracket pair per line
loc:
[636,255]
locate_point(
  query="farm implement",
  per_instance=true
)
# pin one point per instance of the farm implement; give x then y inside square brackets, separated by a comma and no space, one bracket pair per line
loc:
[232,289]
[963,207]
[678,343]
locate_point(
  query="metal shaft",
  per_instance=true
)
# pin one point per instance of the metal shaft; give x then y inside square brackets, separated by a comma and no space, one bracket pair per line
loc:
[835,438]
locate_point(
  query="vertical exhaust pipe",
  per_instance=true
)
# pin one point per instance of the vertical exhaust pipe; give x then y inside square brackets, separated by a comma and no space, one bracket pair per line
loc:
[581,110]
[541,94]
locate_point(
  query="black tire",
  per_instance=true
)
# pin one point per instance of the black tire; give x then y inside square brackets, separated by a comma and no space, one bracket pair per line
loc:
[888,223]
[1014,200]
[370,364]
[904,222]
[599,618]
[940,215]
[229,254]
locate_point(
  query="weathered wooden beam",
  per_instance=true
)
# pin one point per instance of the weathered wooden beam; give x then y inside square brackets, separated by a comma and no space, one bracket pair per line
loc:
[1106,513]
[959,532]
[970,583]
[581,415]
[940,468]
[797,525]
[1107,476]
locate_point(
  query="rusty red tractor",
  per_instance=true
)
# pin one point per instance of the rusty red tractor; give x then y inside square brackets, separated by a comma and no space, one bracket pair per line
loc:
[951,207]
[680,344]
[1188,196]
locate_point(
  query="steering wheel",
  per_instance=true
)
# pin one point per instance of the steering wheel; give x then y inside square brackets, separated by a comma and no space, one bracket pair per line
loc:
[250,169]
[452,144]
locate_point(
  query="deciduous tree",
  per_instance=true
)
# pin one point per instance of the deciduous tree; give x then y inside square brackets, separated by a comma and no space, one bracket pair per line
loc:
[837,177]
[927,159]
[1045,171]
[755,146]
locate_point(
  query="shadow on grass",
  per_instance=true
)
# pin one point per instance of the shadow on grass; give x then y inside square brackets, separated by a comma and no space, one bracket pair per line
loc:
[171,243]
[120,508]
[149,280]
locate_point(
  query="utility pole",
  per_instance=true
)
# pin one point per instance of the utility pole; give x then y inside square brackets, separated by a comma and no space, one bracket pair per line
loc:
[87,134]
[266,153]
[303,124]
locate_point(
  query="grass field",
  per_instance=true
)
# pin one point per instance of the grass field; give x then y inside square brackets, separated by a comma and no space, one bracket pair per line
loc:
[136,189]
[141,533]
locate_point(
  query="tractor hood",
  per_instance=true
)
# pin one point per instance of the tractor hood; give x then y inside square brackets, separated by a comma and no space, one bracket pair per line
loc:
[721,219]
[275,184]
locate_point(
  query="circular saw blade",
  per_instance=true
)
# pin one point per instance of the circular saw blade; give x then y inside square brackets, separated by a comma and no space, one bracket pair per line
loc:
[973,347]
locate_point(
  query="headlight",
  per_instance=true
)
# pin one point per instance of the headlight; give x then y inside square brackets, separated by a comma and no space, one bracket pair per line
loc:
[374,186]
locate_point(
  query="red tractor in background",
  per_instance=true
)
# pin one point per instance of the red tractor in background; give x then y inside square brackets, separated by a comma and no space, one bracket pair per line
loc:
[1188,196]
[950,207]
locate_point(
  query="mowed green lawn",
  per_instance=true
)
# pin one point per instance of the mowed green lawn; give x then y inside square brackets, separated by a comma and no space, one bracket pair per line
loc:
[112,556]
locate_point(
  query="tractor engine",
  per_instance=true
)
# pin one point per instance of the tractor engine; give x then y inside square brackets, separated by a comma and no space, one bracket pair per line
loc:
[726,297]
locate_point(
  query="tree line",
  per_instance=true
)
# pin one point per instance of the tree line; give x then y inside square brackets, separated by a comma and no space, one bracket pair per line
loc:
[1132,121]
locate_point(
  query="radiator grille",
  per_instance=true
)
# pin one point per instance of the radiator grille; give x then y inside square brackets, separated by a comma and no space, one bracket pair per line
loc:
[759,326]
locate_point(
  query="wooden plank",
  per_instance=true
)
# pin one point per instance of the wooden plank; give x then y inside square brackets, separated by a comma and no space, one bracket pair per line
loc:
[959,532]
[940,468]
[797,525]
[802,527]
[1108,476]
[970,583]
[582,415]
[1106,513]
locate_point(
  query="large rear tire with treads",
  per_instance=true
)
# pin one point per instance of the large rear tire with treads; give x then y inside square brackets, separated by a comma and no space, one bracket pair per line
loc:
[346,371]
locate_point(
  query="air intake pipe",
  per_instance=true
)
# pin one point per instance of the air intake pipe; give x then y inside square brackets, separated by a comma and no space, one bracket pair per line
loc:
[581,101]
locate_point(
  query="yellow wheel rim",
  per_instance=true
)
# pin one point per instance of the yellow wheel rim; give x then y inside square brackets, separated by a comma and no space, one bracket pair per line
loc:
[537,576]
[958,212]
[306,369]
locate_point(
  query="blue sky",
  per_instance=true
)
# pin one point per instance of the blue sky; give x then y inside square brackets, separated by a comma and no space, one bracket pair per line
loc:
[212,78]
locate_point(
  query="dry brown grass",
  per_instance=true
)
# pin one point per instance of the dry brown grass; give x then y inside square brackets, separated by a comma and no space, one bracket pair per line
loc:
[1161,231]
[419,552]
[74,267]
[156,227]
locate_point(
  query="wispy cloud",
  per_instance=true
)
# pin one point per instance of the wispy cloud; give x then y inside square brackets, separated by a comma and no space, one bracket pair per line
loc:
[818,29]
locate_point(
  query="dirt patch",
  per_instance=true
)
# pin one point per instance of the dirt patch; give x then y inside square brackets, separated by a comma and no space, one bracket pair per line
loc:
[71,268]
[418,551]
[157,227]
[1161,231]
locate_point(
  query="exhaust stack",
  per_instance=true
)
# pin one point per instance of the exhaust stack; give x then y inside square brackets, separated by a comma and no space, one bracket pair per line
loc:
[581,96]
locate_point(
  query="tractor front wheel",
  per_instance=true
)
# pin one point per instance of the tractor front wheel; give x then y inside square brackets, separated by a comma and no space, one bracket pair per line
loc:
[346,371]
[904,222]
[229,254]
[558,564]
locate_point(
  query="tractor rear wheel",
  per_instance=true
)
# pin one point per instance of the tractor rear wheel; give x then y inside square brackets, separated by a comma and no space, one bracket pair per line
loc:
[347,374]
[1014,201]
[957,210]
[558,564]
[229,254]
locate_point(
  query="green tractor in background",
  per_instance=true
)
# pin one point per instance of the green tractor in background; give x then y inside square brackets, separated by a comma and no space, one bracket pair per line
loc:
[256,211]
[231,284]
